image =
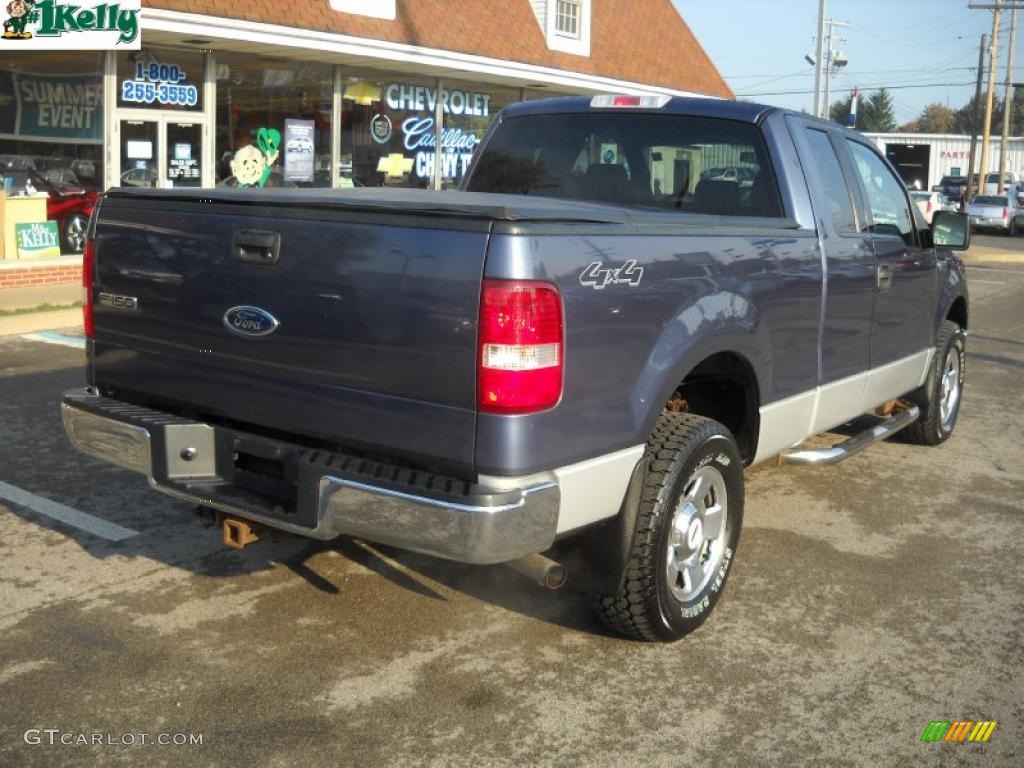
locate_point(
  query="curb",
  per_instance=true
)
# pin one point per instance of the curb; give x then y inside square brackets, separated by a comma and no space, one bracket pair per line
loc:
[984,255]
[40,321]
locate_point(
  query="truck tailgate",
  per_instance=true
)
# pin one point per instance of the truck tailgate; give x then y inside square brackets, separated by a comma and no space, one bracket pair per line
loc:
[377,313]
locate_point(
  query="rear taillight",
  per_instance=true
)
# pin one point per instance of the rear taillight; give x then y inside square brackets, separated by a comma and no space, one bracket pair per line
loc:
[929,209]
[1006,213]
[521,346]
[88,261]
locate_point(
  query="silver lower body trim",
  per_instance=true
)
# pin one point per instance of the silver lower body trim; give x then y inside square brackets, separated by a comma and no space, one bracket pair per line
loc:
[787,422]
[494,520]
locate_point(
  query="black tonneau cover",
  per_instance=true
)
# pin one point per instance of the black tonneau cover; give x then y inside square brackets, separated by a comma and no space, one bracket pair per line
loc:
[465,205]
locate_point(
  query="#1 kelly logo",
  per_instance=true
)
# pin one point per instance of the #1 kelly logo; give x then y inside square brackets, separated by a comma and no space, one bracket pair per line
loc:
[51,25]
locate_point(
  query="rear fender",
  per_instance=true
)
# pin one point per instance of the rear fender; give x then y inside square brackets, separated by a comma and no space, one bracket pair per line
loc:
[717,322]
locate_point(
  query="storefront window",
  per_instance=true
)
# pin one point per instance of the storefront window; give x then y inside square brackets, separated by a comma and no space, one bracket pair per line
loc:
[51,121]
[51,150]
[387,127]
[469,110]
[160,78]
[281,110]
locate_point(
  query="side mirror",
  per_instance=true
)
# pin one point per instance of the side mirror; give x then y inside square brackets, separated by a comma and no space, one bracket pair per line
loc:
[951,230]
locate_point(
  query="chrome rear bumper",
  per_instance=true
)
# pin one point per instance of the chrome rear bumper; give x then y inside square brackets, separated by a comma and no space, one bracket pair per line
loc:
[336,495]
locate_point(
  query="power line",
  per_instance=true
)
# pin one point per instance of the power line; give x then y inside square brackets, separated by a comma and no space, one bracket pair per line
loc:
[862,87]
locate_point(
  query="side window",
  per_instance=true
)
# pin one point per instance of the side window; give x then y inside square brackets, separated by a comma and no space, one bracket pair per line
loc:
[890,211]
[837,194]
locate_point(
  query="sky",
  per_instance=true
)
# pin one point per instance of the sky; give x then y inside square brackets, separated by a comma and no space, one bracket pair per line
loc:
[924,50]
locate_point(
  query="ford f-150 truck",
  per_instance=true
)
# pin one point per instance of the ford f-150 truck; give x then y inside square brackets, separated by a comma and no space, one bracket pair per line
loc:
[573,358]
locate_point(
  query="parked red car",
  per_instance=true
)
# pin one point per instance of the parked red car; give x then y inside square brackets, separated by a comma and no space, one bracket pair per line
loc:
[69,202]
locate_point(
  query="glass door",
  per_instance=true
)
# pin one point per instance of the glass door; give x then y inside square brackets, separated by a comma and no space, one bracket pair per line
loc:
[140,163]
[183,148]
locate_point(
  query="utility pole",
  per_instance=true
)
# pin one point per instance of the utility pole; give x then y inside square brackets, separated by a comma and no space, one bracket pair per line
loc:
[987,127]
[832,63]
[974,121]
[1007,100]
[819,60]
[828,72]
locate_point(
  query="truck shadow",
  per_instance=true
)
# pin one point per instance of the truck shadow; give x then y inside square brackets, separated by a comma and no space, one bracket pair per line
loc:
[166,531]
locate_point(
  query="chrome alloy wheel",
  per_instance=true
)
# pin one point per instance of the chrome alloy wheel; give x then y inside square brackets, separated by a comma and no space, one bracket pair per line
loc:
[74,234]
[697,536]
[949,398]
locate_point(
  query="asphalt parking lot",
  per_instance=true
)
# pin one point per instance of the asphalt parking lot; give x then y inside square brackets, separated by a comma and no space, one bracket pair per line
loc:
[866,600]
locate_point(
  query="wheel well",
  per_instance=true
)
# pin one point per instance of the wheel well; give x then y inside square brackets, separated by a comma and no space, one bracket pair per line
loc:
[723,387]
[958,312]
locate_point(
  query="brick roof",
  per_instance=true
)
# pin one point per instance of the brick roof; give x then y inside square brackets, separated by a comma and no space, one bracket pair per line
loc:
[643,41]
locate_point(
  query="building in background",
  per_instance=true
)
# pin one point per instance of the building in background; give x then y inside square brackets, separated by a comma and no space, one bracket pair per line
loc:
[922,159]
[338,92]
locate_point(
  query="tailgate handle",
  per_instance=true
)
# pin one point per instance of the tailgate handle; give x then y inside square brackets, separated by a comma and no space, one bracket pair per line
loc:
[257,246]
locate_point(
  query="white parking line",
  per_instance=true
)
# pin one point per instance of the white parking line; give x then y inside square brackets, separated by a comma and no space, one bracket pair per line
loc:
[81,520]
[49,337]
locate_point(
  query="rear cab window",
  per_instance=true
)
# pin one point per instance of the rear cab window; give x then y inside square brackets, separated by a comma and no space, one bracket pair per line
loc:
[656,161]
[833,182]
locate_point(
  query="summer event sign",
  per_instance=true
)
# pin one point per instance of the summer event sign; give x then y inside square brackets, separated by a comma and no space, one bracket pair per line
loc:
[56,107]
[85,25]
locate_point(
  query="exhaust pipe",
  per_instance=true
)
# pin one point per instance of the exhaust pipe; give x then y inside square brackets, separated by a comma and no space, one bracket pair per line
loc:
[541,570]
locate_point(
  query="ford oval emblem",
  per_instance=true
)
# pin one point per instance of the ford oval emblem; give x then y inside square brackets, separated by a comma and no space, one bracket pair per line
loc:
[250,322]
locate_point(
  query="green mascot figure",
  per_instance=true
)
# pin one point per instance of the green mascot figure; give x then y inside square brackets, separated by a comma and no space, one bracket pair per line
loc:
[20,13]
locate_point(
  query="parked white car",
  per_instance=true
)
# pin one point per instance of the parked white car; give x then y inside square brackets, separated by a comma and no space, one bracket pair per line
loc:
[928,203]
[992,183]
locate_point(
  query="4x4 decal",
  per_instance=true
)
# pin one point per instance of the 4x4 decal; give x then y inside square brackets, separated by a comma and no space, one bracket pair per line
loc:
[597,276]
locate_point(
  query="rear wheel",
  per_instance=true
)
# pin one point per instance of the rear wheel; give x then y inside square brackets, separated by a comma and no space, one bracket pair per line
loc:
[687,529]
[939,398]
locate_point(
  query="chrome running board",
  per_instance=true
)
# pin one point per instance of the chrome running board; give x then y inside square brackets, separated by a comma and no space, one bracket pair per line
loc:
[819,457]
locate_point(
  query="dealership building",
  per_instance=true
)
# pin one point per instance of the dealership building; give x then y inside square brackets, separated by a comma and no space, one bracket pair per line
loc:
[339,93]
[364,89]
[924,158]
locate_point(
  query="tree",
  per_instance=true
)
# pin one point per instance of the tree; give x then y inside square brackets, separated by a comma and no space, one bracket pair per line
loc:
[875,113]
[963,122]
[965,115]
[936,118]
[839,111]
[879,112]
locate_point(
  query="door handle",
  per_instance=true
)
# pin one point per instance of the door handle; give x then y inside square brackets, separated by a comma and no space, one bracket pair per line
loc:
[256,246]
[883,277]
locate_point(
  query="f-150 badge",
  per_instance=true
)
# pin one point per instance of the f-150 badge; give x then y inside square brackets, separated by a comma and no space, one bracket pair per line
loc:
[597,275]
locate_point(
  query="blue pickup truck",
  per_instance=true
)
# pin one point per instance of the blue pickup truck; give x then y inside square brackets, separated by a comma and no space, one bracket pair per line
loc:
[565,366]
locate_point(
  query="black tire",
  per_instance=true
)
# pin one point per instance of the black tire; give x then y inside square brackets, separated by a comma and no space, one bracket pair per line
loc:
[647,606]
[931,428]
[1012,230]
[73,233]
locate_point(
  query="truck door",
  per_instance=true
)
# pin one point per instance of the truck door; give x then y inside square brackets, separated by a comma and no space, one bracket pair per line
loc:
[904,296]
[850,275]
